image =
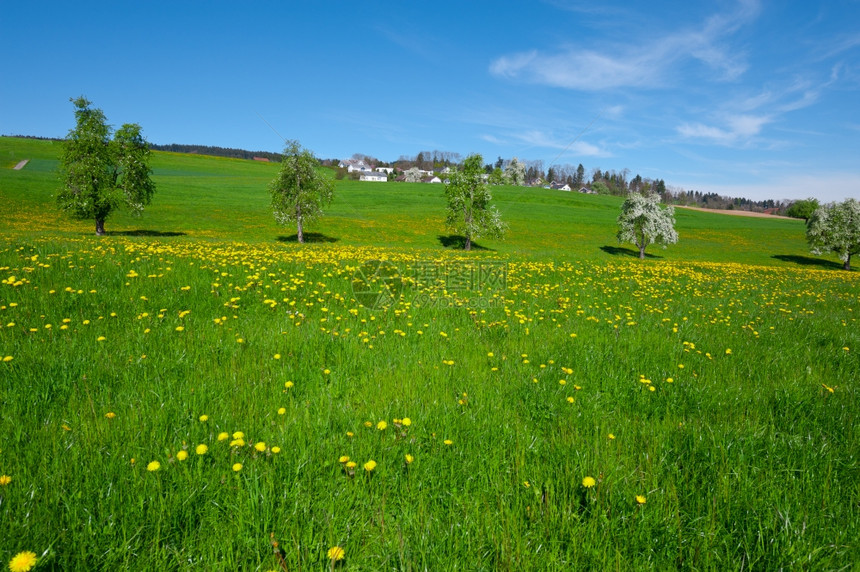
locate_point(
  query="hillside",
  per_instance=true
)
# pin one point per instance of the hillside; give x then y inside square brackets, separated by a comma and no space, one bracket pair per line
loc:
[227,199]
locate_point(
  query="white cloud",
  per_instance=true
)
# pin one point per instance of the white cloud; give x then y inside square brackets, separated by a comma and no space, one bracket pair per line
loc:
[736,128]
[578,148]
[636,65]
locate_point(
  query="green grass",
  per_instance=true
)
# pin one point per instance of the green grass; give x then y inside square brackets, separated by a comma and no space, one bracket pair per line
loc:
[747,458]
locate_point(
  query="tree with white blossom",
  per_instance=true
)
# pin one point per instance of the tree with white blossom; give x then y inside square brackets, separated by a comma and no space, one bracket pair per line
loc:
[642,221]
[469,209]
[835,228]
[515,173]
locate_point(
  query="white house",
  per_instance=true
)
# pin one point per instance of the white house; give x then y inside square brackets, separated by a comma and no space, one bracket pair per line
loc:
[386,170]
[375,176]
[560,186]
[433,179]
[353,165]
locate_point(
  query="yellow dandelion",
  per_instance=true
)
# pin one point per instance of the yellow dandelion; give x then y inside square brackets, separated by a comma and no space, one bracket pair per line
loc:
[288,384]
[409,458]
[282,410]
[5,480]
[350,434]
[237,443]
[336,553]
[448,442]
[351,465]
[203,418]
[23,562]
[110,414]
[370,465]
[382,425]
[277,356]
[180,328]
[588,482]
[728,353]
[237,467]
[153,466]
[181,455]
[260,446]
[8,358]
[343,459]
[201,449]
[640,499]
[611,436]
[238,435]
[276,450]
[570,400]
[406,422]
[223,436]
[326,371]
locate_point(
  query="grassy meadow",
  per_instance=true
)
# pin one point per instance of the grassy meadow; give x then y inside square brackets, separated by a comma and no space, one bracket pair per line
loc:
[198,391]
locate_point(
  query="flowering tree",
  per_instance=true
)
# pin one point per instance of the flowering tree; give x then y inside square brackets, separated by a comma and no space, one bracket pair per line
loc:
[299,192]
[515,173]
[100,174]
[642,221]
[413,175]
[835,228]
[469,209]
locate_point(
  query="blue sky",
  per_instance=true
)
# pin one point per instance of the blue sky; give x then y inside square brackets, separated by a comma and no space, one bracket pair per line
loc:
[739,97]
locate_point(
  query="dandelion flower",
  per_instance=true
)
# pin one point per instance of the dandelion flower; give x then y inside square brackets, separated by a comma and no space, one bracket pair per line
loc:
[448,442]
[409,458]
[588,482]
[335,553]
[237,443]
[110,414]
[277,356]
[260,446]
[5,480]
[406,422]
[351,465]
[181,455]
[23,562]
[153,466]
[570,400]
[238,435]
[288,384]
[370,465]
[343,459]
[237,467]
[276,450]
[350,434]
[326,371]
[382,425]
[223,436]
[201,449]
[282,410]
[368,424]
[611,436]
[641,499]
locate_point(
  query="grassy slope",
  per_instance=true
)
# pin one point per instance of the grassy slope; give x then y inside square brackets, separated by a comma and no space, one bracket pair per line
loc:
[209,197]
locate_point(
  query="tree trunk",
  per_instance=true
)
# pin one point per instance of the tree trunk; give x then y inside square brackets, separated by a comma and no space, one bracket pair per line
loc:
[468,245]
[300,235]
[100,227]
[847,265]
[642,252]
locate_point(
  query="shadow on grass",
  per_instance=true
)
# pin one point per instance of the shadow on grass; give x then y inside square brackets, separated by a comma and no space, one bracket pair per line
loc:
[310,237]
[621,251]
[458,242]
[808,261]
[143,232]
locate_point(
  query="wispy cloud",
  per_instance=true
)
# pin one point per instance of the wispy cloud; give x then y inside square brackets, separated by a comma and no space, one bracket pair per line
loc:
[736,128]
[632,65]
[538,138]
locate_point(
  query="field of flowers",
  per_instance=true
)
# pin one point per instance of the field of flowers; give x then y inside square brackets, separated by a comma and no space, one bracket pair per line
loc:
[175,403]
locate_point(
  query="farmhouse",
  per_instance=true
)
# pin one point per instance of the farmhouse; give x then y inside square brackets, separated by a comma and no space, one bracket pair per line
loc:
[375,176]
[353,165]
[560,186]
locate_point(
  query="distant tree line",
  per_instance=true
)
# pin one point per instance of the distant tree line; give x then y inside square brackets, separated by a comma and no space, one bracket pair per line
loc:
[217,151]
